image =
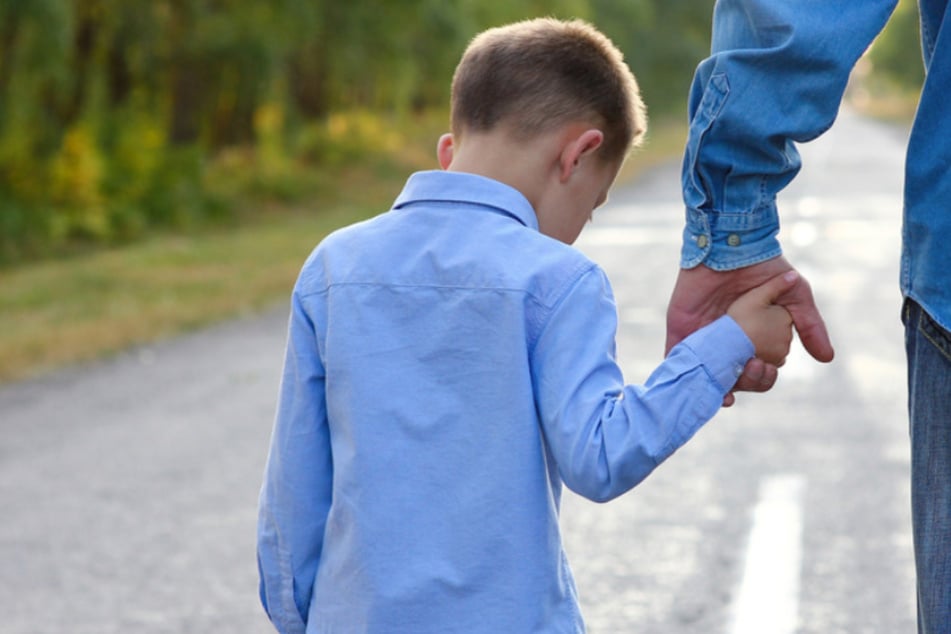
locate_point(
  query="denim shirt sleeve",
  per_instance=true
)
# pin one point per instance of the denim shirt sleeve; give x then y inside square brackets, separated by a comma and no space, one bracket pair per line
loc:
[775,77]
[296,494]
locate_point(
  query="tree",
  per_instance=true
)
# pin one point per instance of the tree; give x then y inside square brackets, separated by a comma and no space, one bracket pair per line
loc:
[897,52]
[111,112]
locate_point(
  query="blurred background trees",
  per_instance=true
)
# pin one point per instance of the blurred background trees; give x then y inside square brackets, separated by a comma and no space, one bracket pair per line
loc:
[896,55]
[120,117]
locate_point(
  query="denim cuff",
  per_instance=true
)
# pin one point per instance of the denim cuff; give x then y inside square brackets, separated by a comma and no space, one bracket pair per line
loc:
[727,241]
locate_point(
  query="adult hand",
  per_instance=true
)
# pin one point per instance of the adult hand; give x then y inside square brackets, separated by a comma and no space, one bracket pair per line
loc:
[702,295]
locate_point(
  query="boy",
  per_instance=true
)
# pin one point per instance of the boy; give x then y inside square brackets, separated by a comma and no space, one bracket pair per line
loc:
[451,362]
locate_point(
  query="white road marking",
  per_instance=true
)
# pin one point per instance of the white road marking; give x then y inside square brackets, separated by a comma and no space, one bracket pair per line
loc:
[768,599]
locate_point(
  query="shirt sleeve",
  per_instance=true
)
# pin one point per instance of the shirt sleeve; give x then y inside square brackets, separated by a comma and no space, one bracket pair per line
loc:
[775,77]
[606,436]
[296,494]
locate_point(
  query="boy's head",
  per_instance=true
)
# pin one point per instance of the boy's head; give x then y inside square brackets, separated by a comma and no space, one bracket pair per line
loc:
[550,108]
[531,77]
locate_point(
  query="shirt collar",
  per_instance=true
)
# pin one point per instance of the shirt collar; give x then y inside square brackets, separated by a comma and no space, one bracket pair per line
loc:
[467,189]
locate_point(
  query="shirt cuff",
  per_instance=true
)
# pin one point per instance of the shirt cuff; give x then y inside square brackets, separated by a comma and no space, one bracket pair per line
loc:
[727,241]
[723,349]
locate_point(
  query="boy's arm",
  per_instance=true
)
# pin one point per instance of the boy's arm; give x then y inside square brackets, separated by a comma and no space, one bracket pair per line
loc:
[606,437]
[296,494]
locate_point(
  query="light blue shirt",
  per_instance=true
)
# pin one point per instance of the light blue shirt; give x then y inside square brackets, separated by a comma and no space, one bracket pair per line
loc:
[448,368]
[776,77]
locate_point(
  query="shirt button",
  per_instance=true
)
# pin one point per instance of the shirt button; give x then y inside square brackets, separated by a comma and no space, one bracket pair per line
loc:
[733,240]
[702,242]
[738,371]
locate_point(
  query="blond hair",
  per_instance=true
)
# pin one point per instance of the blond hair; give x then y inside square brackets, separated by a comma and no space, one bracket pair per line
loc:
[535,75]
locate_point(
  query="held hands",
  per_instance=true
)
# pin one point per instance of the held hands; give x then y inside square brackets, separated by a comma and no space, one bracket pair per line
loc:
[768,325]
[701,295]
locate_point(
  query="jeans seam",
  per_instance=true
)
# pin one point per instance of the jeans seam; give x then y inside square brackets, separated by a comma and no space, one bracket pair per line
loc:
[935,334]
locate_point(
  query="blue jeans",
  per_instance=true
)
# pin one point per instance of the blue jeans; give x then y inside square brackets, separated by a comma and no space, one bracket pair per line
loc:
[929,405]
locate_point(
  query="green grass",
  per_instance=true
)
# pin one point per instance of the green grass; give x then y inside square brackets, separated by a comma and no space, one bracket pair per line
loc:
[75,309]
[65,311]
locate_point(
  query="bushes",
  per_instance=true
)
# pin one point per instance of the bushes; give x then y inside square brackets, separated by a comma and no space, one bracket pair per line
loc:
[119,118]
[90,192]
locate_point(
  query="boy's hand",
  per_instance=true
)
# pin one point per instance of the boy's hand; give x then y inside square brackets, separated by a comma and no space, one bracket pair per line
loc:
[768,325]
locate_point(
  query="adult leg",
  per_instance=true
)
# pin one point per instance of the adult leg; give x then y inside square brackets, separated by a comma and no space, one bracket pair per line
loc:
[928,348]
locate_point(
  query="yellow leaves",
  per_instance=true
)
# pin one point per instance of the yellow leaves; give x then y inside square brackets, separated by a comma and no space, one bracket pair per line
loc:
[76,171]
[75,181]
[352,136]
[136,156]
[268,120]
[363,128]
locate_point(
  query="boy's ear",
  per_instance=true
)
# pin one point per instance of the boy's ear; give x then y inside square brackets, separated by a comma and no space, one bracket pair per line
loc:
[444,150]
[577,148]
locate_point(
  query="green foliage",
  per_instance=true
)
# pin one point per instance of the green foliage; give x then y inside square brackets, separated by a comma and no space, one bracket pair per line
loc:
[117,118]
[663,41]
[897,52]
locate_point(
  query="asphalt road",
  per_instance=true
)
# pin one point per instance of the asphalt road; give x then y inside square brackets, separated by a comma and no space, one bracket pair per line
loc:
[671,557]
[129,486]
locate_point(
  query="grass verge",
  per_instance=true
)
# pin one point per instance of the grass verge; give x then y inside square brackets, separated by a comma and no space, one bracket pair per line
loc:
[71,310]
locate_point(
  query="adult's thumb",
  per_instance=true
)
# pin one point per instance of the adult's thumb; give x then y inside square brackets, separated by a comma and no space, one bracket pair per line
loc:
[798,300]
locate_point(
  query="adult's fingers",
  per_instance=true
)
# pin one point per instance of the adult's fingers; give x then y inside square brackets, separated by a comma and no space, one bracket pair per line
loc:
[808,321]
[758,376]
